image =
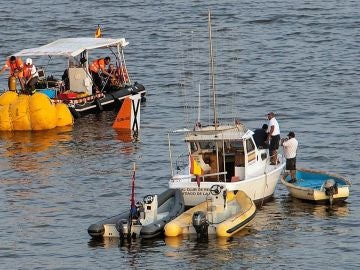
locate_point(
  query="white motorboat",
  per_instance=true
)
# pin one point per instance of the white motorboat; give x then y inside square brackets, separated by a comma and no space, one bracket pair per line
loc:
[226,155]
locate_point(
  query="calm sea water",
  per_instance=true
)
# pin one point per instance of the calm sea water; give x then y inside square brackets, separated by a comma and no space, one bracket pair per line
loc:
[299,59]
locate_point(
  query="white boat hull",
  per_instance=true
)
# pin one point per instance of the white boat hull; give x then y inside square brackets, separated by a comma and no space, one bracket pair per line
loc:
[257,188]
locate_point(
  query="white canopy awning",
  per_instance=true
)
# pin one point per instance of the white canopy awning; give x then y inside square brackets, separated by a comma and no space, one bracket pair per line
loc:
[72,46]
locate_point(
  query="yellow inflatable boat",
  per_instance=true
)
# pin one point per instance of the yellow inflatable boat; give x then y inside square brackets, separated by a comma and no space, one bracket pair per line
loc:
[223,213]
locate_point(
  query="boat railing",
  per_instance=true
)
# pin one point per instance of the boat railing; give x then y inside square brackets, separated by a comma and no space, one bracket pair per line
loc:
[181,162]
[202,177]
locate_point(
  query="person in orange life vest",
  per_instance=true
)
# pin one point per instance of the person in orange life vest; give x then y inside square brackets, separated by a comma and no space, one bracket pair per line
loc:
[15,66]
[98,67]
[31,76]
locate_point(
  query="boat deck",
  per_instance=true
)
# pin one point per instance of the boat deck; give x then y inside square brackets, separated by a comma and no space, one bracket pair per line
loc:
[314,180]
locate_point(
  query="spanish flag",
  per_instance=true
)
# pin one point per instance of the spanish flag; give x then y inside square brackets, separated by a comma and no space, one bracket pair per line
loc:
[98,33]
[195,167]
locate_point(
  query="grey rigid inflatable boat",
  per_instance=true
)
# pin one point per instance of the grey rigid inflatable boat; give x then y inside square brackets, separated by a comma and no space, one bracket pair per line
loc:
[146,220]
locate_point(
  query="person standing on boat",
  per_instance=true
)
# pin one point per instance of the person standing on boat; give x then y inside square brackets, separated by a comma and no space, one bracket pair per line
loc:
[31,76]
[16,66]
[290,145]
[98,69]
[260,136]
[273,137]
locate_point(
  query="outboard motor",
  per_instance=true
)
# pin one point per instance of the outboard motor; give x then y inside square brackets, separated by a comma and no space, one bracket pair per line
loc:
[331,188]
[200,224]
[123,227]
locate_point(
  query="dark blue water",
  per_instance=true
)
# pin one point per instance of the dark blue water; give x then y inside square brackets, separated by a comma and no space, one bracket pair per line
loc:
[299,59]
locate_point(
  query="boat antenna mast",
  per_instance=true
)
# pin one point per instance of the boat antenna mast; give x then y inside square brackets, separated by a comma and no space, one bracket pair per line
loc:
[198,123]
[133,210]
[212,71]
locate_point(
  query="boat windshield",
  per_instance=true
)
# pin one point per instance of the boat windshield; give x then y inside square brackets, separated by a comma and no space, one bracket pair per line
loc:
[207,145]
[236,145]
[250,146]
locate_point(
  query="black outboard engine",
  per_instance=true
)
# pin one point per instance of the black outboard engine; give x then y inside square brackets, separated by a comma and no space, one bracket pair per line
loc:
[200,224]
[330,187]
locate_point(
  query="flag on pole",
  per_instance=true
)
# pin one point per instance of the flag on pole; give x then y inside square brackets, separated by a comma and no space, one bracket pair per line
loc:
[198,180]
[98,33]
[195,167]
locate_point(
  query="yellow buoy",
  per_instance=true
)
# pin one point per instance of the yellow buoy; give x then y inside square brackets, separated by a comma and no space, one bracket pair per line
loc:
[64,116]
[5,119]
[36,112]
[7,97]
[42,112]
[19,113]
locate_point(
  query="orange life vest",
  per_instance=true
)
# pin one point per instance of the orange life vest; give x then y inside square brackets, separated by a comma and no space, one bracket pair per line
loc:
[98,64]
[17,65]
[27,71]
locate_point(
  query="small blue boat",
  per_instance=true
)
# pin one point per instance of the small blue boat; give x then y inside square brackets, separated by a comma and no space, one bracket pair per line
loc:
[317,186]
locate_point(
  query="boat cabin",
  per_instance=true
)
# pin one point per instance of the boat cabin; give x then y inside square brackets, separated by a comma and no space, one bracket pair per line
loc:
[227,155]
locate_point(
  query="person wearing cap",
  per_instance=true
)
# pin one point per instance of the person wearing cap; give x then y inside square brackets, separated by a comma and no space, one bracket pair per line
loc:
[15,66]
[97,68]
[273,137]
[31,76]
[290,145]
[260,136]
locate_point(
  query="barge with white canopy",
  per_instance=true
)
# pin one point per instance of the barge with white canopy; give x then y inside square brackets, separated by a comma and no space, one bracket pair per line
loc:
[76,86]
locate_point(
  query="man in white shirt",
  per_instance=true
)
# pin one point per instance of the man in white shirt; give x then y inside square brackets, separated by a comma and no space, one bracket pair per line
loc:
[273,137]
[290,145]
[31,76]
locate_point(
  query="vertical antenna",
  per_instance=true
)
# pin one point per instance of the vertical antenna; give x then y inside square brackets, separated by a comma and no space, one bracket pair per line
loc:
[212,71]
[199,105]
